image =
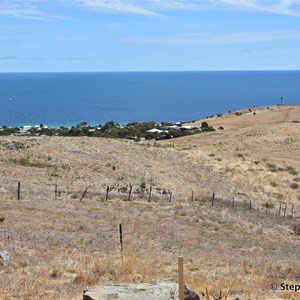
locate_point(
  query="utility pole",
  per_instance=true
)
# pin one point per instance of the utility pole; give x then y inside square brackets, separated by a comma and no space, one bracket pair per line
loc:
[281,100]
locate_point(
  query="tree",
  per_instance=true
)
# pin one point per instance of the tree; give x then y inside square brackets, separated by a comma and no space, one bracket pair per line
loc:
[204,125]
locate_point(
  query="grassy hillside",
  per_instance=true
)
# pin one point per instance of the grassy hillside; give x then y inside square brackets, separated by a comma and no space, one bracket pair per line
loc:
[60,246]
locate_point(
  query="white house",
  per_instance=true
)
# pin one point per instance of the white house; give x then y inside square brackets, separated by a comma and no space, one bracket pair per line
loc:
[155,130]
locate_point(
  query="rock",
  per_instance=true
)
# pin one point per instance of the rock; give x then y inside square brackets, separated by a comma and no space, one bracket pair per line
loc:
[190,295]
[163,290]
[4,258]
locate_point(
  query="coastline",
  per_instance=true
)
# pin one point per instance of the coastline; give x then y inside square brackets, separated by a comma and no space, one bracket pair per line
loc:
[68,99]
[189,122]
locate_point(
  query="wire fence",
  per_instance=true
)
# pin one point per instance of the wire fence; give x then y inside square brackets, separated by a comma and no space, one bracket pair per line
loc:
[127,192]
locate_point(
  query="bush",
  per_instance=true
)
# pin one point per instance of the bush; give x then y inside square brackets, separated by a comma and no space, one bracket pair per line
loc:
[269,205]
[296,229]
[204,125]
[294,185]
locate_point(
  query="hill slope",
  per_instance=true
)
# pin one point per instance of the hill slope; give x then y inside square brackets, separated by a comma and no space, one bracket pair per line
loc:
[59,245]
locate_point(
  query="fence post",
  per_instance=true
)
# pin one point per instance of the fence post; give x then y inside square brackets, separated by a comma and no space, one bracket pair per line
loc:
[285,207]
[19,190]
[107,191]
[250,205]
[292,211]
[280,208]
[130,190]
[170,199]
[180,278]
[55,192]
[83,194]
[121,237]
[150,192]
[232,201]
[213,199]
[192,196]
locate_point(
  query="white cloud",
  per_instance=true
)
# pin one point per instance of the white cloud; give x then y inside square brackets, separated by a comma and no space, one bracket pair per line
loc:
[209,38]
[119,6]
[288,7]
[8,57]
[285,7]
[32,9]
[17,9]
[38,9]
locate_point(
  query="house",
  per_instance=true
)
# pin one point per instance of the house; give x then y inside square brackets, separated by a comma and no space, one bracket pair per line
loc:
[155,130]
[27,127]
[22,132]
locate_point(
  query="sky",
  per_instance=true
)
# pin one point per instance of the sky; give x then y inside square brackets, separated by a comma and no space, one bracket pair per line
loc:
[149,35]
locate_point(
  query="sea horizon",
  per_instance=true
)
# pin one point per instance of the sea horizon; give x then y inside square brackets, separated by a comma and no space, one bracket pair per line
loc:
[149,71]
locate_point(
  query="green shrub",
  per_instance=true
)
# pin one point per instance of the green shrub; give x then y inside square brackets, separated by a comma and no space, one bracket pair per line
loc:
[296,229]
[294,185]
[269,205]
[25,162]
[143,184]
[278,196]
[271,166]
[291,170]
[204,125]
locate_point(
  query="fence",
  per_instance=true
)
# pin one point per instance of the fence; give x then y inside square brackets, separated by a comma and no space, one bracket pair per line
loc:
[24,190]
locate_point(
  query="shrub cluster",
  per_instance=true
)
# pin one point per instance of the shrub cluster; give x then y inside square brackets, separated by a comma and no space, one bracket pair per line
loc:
[135,130]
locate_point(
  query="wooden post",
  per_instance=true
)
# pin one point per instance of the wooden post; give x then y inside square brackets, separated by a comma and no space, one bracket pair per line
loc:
[180,278]
[267,206]
[19,190]
[192,196]
[55,192]
[150,192]
[121,237]
[130,190]
[250,205]
[292,211]
[107,191]
[213,199]
[285,209]
[232,201]
[170,199]
[280,208]
[83,194]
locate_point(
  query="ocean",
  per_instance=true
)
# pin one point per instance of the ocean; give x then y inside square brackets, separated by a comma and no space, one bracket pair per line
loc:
[66,99]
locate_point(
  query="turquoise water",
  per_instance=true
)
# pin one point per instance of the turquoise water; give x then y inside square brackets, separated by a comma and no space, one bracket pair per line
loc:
[57,99]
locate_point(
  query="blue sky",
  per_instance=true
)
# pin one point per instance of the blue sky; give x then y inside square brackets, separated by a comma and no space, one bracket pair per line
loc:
[149,35]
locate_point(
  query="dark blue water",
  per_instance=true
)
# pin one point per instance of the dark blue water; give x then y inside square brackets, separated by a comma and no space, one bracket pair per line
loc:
[58,99]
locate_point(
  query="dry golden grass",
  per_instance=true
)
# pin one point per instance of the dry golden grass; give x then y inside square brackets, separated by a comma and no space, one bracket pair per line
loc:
[60,247]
